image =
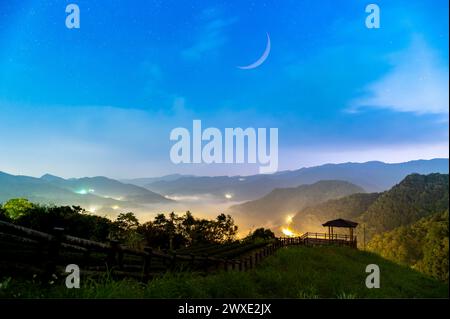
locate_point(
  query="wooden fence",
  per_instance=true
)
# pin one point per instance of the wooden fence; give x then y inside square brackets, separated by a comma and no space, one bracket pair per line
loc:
[49,253]
[316,239]
[27,250]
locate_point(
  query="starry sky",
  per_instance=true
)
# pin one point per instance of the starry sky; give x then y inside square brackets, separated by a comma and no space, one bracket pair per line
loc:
[102,99]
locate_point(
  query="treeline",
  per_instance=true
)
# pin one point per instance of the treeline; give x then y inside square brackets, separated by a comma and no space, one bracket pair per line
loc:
[423,245]
[415,197]
[163,232]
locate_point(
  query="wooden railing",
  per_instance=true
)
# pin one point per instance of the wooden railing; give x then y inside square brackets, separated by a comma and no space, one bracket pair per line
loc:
[56,250]
[328,236]
[315,239]
[50,253]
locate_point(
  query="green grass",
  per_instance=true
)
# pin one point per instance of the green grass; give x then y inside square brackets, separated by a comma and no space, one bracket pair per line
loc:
[320,272]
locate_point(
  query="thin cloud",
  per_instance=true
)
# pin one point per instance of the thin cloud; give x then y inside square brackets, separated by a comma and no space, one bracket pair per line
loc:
[211,36]
[418,83]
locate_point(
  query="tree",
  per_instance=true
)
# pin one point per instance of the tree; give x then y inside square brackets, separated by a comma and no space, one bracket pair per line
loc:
[17,207]
[225,229]
[125,230]
[262,234]
[3,214]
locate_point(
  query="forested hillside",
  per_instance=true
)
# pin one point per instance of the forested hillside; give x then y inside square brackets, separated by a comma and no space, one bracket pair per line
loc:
[422,245]
[415,197]
[348,207]
[407,224]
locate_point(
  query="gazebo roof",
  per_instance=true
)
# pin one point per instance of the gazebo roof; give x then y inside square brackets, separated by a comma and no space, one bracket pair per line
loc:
[340,223]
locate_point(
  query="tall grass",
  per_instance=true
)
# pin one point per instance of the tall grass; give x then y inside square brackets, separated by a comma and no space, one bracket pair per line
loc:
[300,272]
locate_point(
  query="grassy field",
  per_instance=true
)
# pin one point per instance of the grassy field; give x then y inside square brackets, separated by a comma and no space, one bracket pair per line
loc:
[296,272]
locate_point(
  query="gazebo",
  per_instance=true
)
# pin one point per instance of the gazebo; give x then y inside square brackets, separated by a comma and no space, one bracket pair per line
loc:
[341,223]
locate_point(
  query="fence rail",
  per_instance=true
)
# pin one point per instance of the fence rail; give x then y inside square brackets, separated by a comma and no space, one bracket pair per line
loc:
[54,251]
[51,250]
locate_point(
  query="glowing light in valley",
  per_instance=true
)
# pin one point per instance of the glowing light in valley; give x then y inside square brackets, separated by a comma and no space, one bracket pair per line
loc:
[93,209]
[287,232]
[183,198]
[228,196]
[115,207]
[112,197]
[85,191]
[241,179]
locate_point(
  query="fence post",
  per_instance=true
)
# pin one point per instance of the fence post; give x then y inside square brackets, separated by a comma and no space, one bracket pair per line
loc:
[173,262]
[218,264]
[225,264]
[192,261]
[111,258]
[86,257]
[119,256]
[147,262]
[206,263]
[53,253]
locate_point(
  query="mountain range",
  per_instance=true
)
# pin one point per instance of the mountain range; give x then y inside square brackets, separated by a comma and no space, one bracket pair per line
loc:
[274,195]
[371,176]
[94,194]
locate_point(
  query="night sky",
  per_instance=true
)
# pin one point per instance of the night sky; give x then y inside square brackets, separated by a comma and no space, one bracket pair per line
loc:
[102,99]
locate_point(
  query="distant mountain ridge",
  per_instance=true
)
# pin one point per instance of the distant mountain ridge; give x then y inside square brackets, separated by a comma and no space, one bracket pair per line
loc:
[273,208]
[106,187]
[143,181]
[372,176]
[90,193]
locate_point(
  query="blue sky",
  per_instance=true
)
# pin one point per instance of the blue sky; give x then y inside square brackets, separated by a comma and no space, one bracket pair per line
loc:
[102,99]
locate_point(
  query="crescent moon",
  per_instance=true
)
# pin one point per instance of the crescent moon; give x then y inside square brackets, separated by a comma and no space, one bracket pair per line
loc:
[261,60]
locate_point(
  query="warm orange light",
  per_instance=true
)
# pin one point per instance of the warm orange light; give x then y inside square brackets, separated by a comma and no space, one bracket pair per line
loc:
[287,232]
